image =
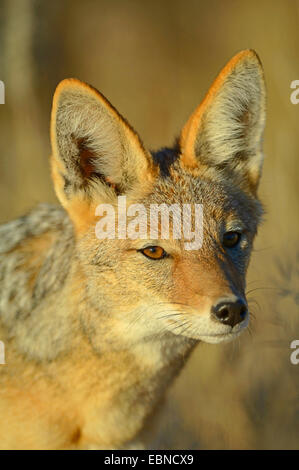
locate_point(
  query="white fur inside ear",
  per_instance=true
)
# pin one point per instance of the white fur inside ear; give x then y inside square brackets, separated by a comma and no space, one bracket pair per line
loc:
[231,126]
[234,122]
[80,117]
[93,142]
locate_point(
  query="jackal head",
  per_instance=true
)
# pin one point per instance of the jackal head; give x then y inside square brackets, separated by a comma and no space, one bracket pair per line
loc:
[155,286]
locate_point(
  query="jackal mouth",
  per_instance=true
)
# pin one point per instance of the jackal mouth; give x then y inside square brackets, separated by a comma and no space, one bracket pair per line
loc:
[224,337]
[218,335]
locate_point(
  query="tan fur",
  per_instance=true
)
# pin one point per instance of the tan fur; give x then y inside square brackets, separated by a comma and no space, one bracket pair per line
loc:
[94,331]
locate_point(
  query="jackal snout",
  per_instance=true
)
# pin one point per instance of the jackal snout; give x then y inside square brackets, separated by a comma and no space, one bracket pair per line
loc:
[230,311]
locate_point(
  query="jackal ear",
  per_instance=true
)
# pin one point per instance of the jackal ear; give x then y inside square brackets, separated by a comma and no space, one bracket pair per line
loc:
[225,132]
[94,150]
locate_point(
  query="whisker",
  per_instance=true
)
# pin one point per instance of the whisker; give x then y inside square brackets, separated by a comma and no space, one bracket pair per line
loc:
[250,332]
[252,315]
[170,315]
[136,319]
[262,288]
[179,326]
[186,329]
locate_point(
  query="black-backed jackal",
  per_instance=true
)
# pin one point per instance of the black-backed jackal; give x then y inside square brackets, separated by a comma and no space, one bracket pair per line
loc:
[96,329]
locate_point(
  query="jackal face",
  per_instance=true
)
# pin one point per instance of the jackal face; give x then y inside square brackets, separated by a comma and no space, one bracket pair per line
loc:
[146,285]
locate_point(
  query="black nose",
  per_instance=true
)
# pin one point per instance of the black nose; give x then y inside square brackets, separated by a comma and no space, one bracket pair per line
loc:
[230,312]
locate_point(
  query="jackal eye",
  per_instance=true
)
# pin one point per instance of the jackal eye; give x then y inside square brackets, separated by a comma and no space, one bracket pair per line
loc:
[231,239]
[153,252]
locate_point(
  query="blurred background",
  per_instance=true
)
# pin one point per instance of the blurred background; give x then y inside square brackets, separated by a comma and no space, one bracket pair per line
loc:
[154,60]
